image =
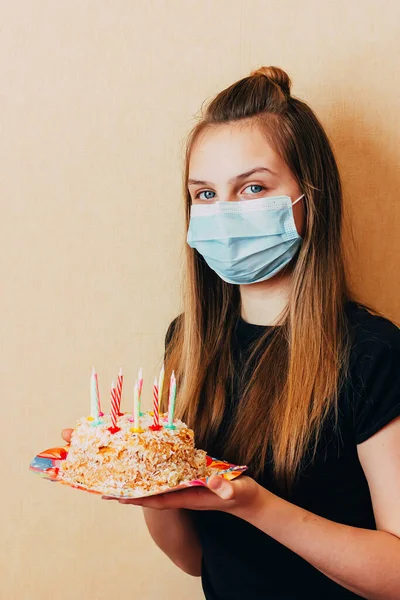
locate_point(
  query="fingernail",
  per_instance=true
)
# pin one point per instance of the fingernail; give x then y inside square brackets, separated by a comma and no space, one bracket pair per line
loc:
[225,492]
[222,488]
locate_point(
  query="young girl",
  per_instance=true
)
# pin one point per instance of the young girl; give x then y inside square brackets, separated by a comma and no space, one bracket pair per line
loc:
[278,369]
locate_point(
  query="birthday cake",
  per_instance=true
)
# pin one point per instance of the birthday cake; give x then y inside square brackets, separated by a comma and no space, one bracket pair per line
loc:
[111,456]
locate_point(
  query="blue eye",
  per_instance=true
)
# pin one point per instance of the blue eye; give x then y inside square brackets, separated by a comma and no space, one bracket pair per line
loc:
[255,185]
[205,192]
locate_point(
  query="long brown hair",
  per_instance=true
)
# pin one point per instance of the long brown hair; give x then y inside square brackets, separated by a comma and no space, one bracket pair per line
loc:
[294,385]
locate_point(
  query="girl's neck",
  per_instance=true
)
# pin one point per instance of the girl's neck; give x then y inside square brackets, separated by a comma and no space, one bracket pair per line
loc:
[262,303]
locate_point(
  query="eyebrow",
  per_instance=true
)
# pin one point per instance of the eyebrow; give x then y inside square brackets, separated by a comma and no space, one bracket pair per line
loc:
[233,179]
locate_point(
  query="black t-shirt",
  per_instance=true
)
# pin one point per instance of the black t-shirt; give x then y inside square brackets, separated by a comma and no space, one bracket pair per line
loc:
[240,562]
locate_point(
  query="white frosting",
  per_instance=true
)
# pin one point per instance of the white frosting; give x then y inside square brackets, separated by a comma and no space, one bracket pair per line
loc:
[131,463]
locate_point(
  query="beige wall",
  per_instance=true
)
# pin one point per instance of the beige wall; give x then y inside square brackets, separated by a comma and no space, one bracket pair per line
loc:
[95,100]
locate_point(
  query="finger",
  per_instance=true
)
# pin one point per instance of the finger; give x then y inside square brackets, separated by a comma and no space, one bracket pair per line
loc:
[195,498]
[154,502]
[66,434]
[150,502]
[221,486]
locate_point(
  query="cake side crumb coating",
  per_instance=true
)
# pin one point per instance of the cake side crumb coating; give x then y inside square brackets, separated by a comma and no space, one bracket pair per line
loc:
[127,463]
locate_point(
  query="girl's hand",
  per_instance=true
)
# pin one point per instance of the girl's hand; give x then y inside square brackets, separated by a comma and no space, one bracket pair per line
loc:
[236,497]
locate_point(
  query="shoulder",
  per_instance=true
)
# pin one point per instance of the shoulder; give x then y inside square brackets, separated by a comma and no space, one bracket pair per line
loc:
[371,332]
[374,383]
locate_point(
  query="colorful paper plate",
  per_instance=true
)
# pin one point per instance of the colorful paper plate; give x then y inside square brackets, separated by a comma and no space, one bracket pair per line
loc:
[47,465]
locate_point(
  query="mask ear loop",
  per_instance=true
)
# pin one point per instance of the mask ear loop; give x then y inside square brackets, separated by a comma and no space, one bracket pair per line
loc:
[298,199]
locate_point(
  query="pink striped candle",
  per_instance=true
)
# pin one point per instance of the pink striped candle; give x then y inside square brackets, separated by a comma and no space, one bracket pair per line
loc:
[101,414]
[140,381]
[114,410]
[156,420]
[94,404]
[120,381]
[140,385]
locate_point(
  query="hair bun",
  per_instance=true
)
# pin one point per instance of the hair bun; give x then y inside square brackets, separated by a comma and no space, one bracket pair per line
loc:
[276,75]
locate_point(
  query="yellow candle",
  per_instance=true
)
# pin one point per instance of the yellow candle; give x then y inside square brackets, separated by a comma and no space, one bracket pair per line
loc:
[136,424]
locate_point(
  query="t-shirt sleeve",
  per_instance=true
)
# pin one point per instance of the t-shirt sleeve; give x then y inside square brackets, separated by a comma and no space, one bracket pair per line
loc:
[376,400]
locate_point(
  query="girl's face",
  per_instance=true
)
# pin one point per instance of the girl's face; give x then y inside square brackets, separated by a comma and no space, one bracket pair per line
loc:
[232,162]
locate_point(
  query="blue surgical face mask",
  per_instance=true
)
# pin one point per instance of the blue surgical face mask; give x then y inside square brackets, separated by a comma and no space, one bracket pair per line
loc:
[246,241]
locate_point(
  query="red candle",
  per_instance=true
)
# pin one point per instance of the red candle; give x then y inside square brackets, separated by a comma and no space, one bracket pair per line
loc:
[114,409]
[119,391]
[156,420]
